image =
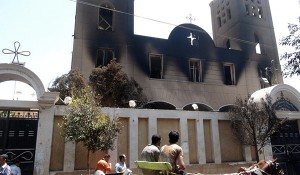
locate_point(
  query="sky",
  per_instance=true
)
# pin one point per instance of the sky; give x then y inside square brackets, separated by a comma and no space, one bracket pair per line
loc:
[45,29]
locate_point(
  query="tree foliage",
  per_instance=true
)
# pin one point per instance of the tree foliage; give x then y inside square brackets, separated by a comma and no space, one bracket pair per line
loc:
[253,123]
[67,83]
[84,122]
[113,88]
[292,65]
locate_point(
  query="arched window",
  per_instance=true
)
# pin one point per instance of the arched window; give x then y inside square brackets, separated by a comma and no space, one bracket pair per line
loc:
[257,47]
[260,13]
[159,105]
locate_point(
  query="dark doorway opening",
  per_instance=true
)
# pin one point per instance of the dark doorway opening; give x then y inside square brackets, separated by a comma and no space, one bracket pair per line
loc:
[18,131]
[286,147]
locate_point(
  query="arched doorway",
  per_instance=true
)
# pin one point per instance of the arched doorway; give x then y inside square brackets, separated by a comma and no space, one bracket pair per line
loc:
[19,120]
[18,136]
[286,147]
[286,142]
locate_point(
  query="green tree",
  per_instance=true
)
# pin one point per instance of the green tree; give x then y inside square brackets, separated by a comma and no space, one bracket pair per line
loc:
[292,58]
[67,83]
[113,88]
[85,123]
[253,123]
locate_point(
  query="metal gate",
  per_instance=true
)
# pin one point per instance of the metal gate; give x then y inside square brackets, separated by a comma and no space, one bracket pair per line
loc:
[286,148]
[18,131]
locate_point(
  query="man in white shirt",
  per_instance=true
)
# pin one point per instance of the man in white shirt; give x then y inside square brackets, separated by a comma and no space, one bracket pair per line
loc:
[4,168]
[121,167]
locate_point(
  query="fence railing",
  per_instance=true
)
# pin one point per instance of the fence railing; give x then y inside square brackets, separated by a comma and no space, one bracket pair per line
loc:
[284,149]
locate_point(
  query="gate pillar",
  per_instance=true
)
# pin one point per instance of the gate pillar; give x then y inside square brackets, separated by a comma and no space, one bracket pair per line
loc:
[45,131]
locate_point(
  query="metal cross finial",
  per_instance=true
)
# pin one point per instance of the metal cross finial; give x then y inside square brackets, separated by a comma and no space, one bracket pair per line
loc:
[16,52]
[190,18]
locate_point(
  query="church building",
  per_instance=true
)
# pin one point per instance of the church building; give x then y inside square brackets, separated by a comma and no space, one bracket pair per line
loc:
[190,67]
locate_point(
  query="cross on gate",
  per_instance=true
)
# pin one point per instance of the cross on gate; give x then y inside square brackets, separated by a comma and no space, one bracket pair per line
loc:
[16,52]
[190,18]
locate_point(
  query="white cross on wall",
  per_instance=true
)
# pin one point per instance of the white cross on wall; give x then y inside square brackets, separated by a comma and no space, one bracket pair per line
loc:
[192,38]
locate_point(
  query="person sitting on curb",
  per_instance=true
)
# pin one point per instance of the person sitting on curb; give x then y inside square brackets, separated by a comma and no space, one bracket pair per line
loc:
[121,167]
[103,166]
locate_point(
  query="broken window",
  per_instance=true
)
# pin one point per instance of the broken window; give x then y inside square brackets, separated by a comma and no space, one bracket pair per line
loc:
[156,66]
[264,82]
[247,9]
[195,70]
[104,56]
[105,18]
[229,73]
[228,14]
[260,13]
[257,47]
[228,44]
[219,21]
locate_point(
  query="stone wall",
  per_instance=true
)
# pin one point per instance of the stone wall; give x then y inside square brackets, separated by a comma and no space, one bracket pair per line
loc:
[205,137]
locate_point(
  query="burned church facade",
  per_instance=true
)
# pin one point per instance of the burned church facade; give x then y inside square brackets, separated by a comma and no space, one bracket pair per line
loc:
[188,67]
[191,67]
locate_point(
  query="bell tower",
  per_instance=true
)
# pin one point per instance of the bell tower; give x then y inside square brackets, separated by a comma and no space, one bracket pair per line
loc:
[103,28]
[245,25]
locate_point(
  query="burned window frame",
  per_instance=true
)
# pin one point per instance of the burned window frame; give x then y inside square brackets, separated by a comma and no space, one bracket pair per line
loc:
[195,70]
[258,48]
[229,74]
[154,72]
[107,55]
[106,18]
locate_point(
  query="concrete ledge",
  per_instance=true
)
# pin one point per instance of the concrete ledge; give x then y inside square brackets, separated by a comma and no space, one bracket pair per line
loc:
[223,168]
[209,169]
[82,173]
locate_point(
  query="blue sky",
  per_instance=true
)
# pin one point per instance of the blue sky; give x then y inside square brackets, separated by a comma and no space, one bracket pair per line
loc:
[45,28]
